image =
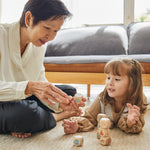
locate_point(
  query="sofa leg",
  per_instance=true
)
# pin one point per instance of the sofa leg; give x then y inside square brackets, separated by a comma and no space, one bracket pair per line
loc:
[88,91]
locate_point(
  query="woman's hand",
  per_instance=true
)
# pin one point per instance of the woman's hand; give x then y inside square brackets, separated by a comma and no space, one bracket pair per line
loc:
[70,126]
[72,105]
[46,92]
[133,115]
[82,102]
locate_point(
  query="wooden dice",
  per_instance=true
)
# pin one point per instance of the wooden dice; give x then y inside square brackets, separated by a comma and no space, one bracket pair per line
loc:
[100,116]
[105,140]
[105,123]
[78,98]
[78,140]
[103,131]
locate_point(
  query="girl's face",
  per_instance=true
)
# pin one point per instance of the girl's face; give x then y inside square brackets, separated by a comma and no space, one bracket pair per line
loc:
[44,31]
[117,86]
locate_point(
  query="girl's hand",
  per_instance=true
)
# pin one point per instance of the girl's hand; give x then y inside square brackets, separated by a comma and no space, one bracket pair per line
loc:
[47,92]
[70,126]
[133,115]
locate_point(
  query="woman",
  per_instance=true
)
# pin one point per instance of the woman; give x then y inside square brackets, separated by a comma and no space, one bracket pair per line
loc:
[23,85]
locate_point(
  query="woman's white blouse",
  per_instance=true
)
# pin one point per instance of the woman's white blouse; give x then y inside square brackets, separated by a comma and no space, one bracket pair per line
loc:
[16,71]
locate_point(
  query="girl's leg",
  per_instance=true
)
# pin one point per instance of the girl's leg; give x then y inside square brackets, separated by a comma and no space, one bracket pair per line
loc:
[24,116]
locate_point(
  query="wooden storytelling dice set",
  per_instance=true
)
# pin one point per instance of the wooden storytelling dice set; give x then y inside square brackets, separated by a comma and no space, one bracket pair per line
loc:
[78,139]
[103,131]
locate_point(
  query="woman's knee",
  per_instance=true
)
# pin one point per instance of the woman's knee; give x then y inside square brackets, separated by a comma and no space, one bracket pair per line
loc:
[26,116]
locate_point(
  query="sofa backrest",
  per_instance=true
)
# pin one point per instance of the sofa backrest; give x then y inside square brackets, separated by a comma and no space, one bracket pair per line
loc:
[139,38]
[97,40]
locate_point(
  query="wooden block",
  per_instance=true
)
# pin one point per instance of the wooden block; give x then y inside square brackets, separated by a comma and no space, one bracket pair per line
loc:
[105,140]
[100,116]
[78,140]
[104,132]
[78,98]
[105,123]
[98,134]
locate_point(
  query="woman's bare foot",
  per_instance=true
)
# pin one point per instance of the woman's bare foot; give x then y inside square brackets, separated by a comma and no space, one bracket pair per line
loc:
[20,134]
[65,115]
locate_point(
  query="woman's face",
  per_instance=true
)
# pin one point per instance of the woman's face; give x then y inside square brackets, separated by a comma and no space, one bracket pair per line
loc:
[44,31]
[117,86]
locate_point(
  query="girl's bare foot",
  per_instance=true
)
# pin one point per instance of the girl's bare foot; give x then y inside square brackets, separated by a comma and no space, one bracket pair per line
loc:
[20,134]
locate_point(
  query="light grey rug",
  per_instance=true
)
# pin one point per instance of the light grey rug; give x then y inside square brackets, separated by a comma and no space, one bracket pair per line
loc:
[55,139]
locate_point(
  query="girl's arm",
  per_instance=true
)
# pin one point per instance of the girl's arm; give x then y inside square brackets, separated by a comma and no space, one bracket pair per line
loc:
[89,119]
[136,128]
[85,122]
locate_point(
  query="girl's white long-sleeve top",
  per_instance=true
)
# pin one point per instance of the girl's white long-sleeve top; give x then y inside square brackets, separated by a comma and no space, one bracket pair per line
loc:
[17,70]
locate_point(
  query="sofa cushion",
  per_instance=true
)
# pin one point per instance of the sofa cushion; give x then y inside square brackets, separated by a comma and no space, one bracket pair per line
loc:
[92,58]
[99,40]
[139,38]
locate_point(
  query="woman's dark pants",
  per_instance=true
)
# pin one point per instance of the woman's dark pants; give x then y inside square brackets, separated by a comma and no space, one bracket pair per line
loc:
[28,115]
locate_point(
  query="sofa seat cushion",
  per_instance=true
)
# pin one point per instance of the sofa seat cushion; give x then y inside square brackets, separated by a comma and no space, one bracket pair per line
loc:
[139,38]
[80,59]
[97,40]
[92,59]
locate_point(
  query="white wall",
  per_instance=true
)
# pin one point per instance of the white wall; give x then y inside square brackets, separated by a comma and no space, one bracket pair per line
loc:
[0,10]
[11,10]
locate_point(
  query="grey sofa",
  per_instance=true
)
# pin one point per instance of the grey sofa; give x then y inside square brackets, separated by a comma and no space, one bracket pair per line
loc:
[87,49]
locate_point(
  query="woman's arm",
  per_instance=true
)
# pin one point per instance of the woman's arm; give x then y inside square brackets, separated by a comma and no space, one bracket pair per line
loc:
[12,90]
[46,92]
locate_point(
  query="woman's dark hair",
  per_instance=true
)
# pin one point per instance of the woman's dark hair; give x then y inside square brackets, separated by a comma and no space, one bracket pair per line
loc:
[44,9]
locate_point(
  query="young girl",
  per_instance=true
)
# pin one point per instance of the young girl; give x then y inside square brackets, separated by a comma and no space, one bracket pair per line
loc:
[122,100]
